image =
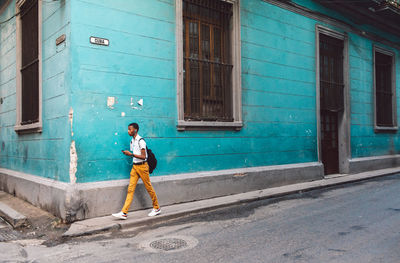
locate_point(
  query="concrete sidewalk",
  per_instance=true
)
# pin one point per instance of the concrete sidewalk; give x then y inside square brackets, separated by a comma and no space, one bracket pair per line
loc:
[140,218]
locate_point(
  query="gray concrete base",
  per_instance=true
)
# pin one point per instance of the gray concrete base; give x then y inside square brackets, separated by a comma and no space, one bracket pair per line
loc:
[87,200]
[358,165]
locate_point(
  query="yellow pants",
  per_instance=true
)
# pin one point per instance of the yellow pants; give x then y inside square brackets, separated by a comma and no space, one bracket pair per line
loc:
[142,171]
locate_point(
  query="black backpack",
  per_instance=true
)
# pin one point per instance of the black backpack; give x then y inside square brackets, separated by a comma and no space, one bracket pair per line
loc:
[151,158]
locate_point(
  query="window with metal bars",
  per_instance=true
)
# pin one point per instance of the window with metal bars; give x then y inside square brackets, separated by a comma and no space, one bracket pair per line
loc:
[207,60]
[384,94]
[331,73]
[29,69]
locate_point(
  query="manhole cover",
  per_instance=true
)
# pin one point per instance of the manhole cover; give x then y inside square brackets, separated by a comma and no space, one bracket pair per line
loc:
[168,244]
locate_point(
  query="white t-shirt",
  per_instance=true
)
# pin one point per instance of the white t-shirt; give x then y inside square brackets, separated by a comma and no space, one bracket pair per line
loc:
[136,148]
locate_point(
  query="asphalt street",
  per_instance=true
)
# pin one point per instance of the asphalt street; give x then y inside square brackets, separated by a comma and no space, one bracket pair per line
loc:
[357,222]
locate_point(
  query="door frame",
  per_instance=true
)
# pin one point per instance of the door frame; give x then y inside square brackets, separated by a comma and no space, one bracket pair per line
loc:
[343,119]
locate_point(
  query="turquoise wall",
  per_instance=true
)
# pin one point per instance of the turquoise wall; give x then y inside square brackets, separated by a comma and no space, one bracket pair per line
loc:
[140,63]
[364,140]
[278,90]
[45,154]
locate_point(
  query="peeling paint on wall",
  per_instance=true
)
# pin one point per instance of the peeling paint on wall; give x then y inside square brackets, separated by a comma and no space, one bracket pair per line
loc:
[139,102]
[73,163]
[71,118]
[110,102]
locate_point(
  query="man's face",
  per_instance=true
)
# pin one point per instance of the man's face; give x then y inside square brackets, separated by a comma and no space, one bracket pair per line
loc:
[131,130]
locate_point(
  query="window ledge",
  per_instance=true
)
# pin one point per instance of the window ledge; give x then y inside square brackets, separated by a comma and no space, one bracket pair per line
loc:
[28,128]
[386,129]
[208,125]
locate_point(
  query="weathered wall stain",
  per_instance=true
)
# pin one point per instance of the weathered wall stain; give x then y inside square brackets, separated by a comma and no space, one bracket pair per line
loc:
[73,163]
[71,119]
[110,102]
[75,205]
[25,154]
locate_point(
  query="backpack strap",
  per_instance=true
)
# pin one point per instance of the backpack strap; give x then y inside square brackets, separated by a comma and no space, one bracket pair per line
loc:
[147,155]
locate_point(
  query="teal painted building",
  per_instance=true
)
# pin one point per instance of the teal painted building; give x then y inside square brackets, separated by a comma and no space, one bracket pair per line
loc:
[231,96]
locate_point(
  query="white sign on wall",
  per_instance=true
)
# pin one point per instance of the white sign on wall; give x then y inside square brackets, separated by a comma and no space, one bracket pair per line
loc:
[99,41]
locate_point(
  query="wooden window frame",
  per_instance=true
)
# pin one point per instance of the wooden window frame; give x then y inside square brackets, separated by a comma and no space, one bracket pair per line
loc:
[236,74]
[37,126]
[394,127]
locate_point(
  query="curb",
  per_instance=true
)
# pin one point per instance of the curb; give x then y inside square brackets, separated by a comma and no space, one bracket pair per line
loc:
[100,224]
[11,216]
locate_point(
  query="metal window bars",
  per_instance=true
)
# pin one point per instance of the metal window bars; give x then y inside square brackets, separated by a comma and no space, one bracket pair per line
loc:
[207,66]
[30,63]
[383,90]
[331,74]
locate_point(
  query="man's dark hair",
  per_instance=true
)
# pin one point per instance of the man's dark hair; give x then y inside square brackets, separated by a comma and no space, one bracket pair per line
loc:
[134,125]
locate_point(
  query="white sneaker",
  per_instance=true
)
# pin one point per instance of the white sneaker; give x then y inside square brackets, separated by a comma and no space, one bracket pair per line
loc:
[120,215]
[155,212]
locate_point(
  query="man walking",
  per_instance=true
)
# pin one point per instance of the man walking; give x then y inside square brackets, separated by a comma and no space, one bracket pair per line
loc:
[140,169]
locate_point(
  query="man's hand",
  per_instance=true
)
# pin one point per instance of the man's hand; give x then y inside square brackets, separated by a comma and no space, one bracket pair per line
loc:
[128,153]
